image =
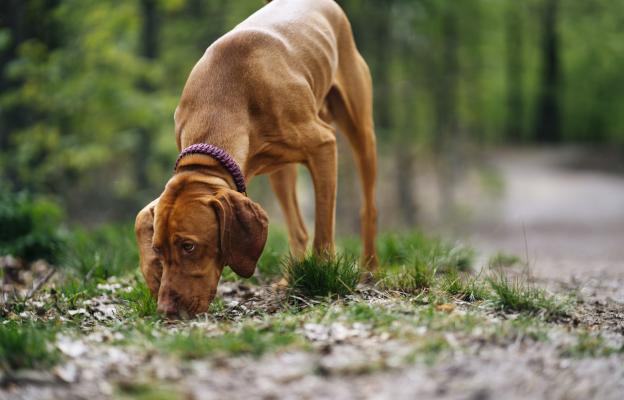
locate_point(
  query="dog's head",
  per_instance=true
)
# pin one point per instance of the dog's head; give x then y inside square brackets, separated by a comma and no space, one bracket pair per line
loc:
[189,234]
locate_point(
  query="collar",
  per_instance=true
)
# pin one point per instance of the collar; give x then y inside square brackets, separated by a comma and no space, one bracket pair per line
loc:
[220,155]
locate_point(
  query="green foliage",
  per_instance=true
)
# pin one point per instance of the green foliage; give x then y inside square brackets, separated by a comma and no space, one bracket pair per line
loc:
[86,114]
[27,345]
[92,257]
[29,229]
[101,253]
[250,340]
[320,276]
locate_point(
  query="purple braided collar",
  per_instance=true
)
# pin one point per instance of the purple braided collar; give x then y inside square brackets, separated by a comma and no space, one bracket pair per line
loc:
[220,155]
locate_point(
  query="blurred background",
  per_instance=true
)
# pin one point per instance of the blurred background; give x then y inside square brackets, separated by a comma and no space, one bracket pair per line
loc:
[489,113]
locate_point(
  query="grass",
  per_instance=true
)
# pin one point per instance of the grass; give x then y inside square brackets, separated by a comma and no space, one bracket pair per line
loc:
[140,300]
[517,295]
[131,390]
[416,247]
[408,279]
[591,345]
[503,260]
[428,349]
[270,263]
[26,345]
[430,271]
[249,340]
[322,276]
[464,287]
[100,254]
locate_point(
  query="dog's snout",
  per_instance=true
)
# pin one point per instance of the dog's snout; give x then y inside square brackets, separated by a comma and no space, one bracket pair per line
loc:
[167,308]
[167,303]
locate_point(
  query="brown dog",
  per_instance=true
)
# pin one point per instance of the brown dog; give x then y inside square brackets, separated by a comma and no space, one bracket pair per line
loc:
[268,93]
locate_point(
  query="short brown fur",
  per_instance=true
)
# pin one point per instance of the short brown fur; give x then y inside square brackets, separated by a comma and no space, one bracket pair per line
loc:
[269,93]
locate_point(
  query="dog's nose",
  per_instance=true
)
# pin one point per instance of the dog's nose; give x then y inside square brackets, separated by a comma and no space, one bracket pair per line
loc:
[167,308]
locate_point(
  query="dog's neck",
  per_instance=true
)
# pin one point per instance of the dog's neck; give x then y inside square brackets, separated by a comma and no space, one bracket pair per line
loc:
[215,174]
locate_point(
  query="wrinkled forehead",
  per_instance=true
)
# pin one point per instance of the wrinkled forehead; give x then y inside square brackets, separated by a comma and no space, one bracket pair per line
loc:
[182,210]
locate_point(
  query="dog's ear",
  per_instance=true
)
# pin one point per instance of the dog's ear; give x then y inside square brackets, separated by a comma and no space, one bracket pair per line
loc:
[243,228]
[149,261]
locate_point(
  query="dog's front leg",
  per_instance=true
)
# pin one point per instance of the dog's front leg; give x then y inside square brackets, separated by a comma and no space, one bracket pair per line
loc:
[284,183]
[322,163]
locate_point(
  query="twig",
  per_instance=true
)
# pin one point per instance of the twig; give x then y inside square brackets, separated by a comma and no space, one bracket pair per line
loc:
[40,283]
[301,299]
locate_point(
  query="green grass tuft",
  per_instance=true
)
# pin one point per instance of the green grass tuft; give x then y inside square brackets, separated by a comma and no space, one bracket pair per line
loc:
[589,345]
[321,276]
[26,346]
[516,294]
[140,300]
[464,287]
[29,228]
[130,390]
[503,260]
[93,257]
[97,255]
[412,278]
[415,247]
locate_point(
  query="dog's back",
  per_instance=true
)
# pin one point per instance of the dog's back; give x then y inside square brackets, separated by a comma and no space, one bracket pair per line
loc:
[289,48]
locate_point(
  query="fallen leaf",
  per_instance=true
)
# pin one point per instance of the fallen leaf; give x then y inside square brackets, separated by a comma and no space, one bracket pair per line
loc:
[447,308]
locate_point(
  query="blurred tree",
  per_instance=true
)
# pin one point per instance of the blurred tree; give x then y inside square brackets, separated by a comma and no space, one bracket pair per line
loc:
[548,126]
[21,22]
[150,39]
[88,88]
[514,48]
[445,92]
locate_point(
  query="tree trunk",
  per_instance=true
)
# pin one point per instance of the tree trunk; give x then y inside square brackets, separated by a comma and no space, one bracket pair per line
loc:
[515,67]
[149,9]
[405,183]
[13,17]
[547,127]
[445,142]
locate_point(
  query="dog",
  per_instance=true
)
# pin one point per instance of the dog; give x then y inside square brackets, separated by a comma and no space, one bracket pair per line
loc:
[263,98]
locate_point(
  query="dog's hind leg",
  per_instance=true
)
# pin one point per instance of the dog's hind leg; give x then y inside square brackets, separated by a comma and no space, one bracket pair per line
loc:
[283,182]
[350,103]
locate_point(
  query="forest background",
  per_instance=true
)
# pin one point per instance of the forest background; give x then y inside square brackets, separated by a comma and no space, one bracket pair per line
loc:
[88,89]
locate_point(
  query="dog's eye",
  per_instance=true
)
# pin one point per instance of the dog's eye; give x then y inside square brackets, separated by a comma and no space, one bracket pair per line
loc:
[156,250]
[188,247]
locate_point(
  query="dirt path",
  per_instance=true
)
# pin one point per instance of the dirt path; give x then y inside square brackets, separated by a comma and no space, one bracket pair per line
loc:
[564,209]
